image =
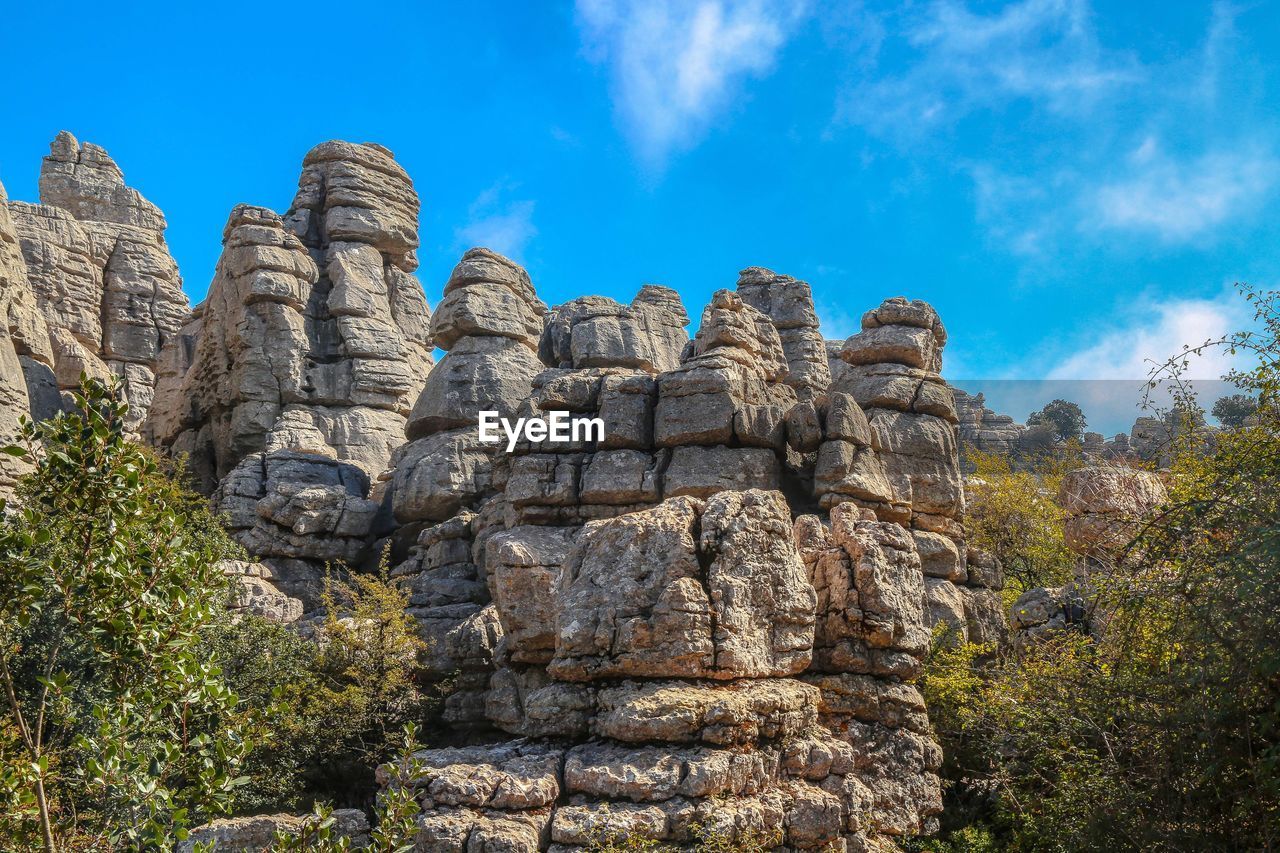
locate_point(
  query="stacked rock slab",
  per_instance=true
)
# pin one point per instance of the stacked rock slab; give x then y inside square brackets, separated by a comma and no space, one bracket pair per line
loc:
[788,302]
[27,386]
[290,388]
[983,429]
[648,621]
[103,281]
[871,636]
[596,331]
[490,320]
[1105,507]
[901,460]
[659,693]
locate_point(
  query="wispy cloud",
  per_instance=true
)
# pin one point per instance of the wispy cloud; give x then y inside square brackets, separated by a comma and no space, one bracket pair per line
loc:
[1044,52]
[1112,149]
[1154,331]
[506,226]
[836,321]
[677,66]
[1180,199]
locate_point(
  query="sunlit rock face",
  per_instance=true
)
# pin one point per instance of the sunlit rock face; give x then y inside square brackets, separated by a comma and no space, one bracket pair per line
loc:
[707,615]
[89,288]
[289,388]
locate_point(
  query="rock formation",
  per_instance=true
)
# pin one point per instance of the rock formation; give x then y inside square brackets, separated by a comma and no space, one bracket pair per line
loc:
[789,304]
[27,386]
[252,834]
[983,429]
[290,386]
[891,446]
[95,292]
[641,608]
[704,608]
[1105,508]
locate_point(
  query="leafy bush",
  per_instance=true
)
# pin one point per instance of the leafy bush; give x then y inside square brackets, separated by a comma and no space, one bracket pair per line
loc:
[1013,515]
[338,699]
[1163,732]
[116,732]
[395,818]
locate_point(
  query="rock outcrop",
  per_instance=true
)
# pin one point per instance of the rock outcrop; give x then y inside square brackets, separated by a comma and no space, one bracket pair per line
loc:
[983,429]
[891,445]
[788,302]
[702,606]
[253,834]
[660,675]
[1105,509]
[27,384]
[97,291]
[290,386]
[638,605]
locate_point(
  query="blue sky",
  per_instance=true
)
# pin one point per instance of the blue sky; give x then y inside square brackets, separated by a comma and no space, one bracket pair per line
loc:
[1074,185]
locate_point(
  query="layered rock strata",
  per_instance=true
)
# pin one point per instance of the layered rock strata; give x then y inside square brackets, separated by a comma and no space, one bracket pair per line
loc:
[983,429]
[660,675]
[634,605]
[890,444]
[788,302]
[100,294]
[27,384]
[290,387]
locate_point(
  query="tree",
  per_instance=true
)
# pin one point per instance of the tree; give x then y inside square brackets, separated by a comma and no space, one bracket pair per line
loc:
[1064,417]
[338,700]
[1012,514]
[1232,410]
[1162,730]
[115,732]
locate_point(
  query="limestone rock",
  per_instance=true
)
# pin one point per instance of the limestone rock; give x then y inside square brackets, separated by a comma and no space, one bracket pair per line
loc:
[788,302]
[1106,505]
[254,592]
[595,331]
[292,388]
[624,611]
[102,294]
[257,833]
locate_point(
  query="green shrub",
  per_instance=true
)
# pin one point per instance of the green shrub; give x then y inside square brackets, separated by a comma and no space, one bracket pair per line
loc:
[337,700]
[116,732]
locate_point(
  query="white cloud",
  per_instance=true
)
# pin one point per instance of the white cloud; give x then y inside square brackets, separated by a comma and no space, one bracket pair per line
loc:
[677,65]
[1153,332]
[835,320]
[1179,199]
[504,226]
[1042,51]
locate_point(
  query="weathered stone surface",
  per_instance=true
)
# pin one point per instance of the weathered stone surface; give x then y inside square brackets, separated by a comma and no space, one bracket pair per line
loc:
[789,304]
[436,476]
[595,331]
[101,294]
[291,389]
[254,592]
[1106,506]
[704,471]
[870,597]
[257,833]
[729,389]
[739,712]
[523,567]
[492,373]
[983,429]
[637,599]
